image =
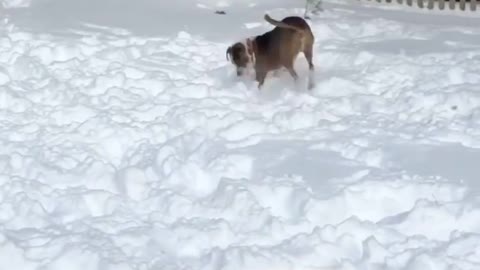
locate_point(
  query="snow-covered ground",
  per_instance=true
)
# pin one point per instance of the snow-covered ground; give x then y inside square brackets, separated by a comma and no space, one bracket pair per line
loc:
[127,142]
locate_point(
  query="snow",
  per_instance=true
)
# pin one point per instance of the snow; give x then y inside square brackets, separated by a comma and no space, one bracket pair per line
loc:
[128,142]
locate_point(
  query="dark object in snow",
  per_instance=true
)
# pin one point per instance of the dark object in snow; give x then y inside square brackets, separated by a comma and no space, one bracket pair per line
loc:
[221,12]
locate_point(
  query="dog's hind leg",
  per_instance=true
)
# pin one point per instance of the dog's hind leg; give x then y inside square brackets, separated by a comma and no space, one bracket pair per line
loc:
[308,51]
[291,70]
[294,74]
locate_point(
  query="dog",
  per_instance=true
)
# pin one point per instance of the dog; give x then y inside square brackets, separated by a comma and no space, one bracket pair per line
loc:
[275,49]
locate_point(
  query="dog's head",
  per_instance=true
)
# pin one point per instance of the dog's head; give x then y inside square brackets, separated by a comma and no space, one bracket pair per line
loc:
[241,55]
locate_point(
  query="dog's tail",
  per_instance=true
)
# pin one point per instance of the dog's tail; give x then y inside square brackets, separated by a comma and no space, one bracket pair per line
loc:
[282,24]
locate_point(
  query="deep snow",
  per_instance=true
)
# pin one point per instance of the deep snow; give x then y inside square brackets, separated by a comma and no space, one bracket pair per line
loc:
[128,143]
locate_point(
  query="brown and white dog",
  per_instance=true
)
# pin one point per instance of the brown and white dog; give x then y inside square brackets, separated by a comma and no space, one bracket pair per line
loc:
[275,49]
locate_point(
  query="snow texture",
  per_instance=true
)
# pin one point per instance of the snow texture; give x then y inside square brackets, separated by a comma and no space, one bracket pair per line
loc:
[128,142]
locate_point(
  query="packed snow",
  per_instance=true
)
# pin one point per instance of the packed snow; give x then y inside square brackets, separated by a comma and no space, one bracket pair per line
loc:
[128,142]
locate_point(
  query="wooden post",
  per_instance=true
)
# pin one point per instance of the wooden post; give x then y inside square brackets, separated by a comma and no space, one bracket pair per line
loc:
[431,4]
[473,5]
[451,4]
[420,3]
[441,4]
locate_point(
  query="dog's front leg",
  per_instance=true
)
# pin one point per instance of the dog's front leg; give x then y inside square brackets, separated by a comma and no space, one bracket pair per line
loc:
[311,78]
[260,76]
[311,81]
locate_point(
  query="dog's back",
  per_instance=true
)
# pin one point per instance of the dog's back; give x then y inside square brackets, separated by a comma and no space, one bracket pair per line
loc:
[284,42]
[297,22]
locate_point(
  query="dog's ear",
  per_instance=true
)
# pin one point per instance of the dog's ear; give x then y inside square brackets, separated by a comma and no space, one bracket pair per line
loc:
[229,53]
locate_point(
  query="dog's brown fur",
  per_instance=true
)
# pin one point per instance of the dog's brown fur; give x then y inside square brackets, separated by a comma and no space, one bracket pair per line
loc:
[275,49]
